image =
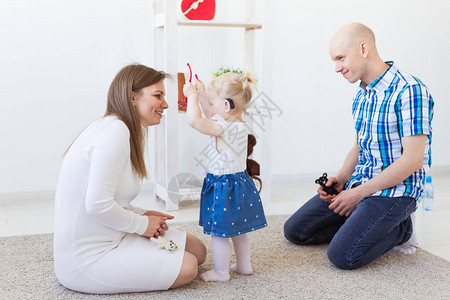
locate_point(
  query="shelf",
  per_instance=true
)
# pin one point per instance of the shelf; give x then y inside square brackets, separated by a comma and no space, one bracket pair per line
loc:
[219,24]
[167,20]
[159,23]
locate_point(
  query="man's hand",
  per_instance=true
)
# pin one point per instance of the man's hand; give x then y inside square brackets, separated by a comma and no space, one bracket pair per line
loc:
[345,203]
[329,198]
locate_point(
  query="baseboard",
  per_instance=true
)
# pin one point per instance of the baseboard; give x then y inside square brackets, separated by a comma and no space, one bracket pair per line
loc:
[439,170]
[303,178]
[37,196]
[300,178]
[148,187]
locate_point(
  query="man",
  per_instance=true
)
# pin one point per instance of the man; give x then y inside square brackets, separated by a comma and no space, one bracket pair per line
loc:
[381,178]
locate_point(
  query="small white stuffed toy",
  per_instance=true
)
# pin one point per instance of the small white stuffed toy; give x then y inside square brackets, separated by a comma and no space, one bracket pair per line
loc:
[162,242]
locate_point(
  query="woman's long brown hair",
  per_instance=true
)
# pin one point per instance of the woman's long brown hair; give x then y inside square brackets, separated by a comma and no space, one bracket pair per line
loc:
[132,78]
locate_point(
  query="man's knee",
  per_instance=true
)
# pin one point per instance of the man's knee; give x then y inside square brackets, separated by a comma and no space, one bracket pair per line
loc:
[288,229]
[291,231]
[339,255]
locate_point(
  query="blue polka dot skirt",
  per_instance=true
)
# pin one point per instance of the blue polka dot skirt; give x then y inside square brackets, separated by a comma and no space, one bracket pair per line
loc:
[230,205]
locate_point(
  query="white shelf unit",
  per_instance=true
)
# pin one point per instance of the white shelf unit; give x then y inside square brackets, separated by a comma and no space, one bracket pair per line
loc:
[164,140]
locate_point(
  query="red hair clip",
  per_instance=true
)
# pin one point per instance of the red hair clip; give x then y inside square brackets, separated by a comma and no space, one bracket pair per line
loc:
[190,72]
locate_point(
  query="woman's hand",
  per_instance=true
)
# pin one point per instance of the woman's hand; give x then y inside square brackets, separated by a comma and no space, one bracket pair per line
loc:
[156,223]
[156,226]
[189,90]
[157,213]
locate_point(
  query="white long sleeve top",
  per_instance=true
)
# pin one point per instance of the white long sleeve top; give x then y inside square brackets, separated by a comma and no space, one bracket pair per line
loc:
[95,188]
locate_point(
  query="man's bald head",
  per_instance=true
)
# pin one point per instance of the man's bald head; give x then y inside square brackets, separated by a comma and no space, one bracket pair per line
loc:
[353,34]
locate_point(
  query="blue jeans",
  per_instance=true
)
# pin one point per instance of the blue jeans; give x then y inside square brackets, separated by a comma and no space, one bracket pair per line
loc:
[376,226]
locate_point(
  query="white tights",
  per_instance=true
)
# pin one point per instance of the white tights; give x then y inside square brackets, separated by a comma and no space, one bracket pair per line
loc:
[222,255]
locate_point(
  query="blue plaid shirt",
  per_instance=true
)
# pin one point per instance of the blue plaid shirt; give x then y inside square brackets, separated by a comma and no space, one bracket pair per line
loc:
[393,106]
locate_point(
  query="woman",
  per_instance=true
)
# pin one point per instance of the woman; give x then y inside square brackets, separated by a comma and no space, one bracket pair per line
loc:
[101,242]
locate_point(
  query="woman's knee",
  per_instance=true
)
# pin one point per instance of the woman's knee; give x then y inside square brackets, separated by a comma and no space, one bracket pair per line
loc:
[188,271]
[196,248]
[189,267]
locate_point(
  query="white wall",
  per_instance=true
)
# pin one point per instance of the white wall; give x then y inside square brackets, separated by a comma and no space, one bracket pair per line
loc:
[317,120]
[57,59]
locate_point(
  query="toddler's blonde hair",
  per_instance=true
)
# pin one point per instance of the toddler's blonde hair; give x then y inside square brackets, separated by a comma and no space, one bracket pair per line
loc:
[235,86]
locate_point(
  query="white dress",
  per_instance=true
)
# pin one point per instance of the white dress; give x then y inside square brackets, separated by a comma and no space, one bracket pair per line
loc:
[97,242]
[228,154]
[230,204]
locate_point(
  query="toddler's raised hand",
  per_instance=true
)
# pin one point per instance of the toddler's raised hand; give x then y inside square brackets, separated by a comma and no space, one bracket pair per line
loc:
[189,90]
[200,87]
[202,97]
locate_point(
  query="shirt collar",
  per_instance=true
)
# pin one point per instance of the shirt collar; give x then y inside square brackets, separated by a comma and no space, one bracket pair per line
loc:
[383,81]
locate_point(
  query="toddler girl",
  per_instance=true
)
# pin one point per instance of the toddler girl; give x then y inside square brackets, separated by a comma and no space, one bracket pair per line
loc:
[230,204]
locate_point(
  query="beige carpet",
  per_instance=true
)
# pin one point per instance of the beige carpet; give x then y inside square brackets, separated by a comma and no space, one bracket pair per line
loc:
[281,271]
